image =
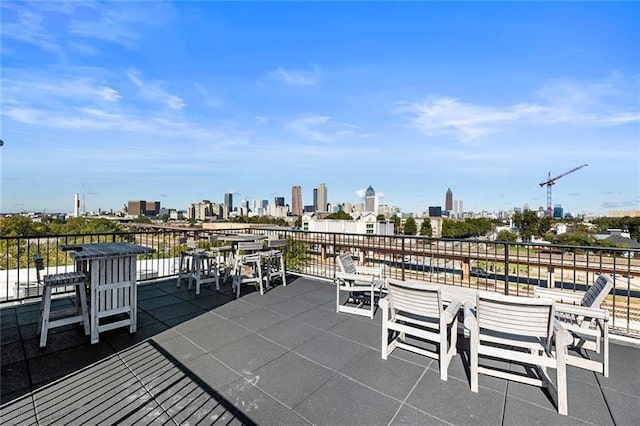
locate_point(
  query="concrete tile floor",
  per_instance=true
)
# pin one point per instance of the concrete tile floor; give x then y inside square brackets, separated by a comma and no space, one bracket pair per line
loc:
[283,358]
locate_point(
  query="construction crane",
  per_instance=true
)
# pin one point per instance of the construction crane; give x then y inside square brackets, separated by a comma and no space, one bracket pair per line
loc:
[551,181]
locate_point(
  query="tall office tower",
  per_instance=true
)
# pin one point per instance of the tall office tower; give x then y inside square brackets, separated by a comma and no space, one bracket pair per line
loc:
[265,203]
[279,201]
[370,200]
[245,206]
[296,200]
[228,202]
[322,198]
[448,201]
[315,199]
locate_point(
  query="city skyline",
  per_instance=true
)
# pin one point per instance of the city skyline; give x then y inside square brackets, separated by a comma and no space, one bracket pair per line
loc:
[179,102]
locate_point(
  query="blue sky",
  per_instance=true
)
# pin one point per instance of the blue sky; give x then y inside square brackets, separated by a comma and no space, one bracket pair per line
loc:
[179,102]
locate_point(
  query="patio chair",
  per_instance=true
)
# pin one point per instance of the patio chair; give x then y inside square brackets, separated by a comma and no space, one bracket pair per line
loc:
[582,315]
[520,330]
[416,309]
[362,284]
[186,260]
[274,265]
[49,319]
[247,270]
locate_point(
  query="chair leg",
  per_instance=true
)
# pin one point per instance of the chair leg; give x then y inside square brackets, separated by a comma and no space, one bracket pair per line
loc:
[284,270]
[44,326]
[385,334]
[473,361]
[83,307]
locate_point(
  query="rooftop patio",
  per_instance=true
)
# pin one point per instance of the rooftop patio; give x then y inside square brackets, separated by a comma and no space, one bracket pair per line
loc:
[282,358]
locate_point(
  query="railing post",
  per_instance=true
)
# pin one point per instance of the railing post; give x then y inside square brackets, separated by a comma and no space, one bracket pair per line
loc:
[335,254]
[403,258]
[506,269]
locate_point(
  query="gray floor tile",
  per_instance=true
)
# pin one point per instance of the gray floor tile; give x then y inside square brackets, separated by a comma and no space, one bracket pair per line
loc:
[366,333]
[9,335]
[15,377]
[11,352]
[392,376]
[290,307]
[222,333]
[408,416]
[281,378]
[259,407]
[210,371]
[320,318]
[174,311]
[234,308]
[435,397]
[124,339]
[257,319]
[210,302]
[248,354]
[190,323]
[625,408]
[316,297]
[290,333]
[350,403]
[158,302]
[330,351]
[623,379]
[181,349]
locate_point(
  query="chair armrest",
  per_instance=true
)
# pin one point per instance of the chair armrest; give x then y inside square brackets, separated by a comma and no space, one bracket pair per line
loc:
[370,270]
[584,311]
[558,295]
[384,303]
[354,277]
[452,310]
[470,322]
[562,336]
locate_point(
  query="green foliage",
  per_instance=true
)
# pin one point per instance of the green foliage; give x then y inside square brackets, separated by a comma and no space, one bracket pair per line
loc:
[396,224]
[631,224]
[298,222]
[410,227]
[20,226]
[141,219]
[340,215]
[465,229]
[425,227]
[505,235]
[296,256]
[380,218]
[530,225]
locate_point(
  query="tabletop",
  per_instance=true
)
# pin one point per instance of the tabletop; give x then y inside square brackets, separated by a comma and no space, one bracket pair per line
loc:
[95,250]
[242,238]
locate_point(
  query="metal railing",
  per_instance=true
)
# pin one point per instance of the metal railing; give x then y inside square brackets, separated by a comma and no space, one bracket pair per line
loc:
[509,268]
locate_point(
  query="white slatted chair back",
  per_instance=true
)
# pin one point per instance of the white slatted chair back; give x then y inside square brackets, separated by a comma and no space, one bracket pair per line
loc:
[521,316]
[276,244]
[597,292]
[414,297]
[345,261]
[250,246]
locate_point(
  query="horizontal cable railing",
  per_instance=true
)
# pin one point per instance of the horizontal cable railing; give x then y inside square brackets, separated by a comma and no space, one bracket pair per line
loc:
[505,267]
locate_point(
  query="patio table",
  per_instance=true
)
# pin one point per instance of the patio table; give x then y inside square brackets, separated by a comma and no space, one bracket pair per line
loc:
[112,272]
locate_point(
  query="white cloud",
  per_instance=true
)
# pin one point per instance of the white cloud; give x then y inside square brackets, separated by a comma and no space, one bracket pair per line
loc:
[155,92]
[321,128]
[297,77]
[608,102]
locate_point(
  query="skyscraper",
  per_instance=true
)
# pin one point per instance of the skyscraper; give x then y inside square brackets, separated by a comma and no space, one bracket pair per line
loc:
[448,201]
[228,202]
[370,200]
[296,200]
[279,201]
[321,205]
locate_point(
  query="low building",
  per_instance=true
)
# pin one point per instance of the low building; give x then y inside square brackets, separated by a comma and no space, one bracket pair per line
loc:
[365,224]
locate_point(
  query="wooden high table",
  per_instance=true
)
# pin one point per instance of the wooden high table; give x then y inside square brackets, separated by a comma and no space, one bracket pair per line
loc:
[112,271]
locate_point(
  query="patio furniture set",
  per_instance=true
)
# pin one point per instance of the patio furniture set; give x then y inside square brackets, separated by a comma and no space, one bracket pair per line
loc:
[537,332]
[105,279]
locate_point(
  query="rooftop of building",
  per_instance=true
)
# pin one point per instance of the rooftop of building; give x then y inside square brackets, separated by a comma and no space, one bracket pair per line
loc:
[285,357]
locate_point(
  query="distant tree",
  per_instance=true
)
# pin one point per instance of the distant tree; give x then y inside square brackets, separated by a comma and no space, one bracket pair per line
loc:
[396,224]
[298,222]
[340,215]
[425,227]
[410,227]
[380,218]
[141,219]
[528,224]
[20,226]
[505,235]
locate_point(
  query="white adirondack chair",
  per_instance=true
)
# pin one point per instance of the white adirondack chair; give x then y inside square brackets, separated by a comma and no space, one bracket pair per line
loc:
[521,330]
[416,309]
[582,315]
[361,282]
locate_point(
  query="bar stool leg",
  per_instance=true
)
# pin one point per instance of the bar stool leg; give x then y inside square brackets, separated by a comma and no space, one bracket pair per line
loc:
[83,306]
[44,326]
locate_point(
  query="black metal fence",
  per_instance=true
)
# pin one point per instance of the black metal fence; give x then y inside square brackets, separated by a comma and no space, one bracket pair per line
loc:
[510,268]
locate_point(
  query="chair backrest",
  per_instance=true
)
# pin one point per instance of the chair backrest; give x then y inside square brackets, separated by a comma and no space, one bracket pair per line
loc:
[250,245]
[38,261]
[597,292]
[345,262]
[276,243]
[414,297]
[523,316]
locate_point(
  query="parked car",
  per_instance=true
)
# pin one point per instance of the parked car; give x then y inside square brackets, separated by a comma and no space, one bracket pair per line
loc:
[478,272]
